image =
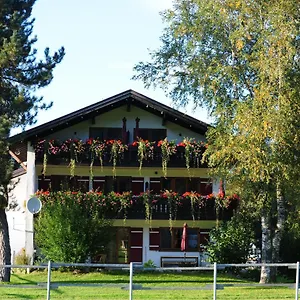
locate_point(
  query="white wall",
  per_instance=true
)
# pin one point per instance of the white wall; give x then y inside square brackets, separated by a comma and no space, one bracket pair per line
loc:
[114,118]
[156,255]
[16,217]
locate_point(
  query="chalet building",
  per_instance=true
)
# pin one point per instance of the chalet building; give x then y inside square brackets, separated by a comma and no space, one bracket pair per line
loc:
[128,117]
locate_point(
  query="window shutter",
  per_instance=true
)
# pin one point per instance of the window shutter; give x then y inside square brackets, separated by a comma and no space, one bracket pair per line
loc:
[98,184]
[137,185]
[154,239]
[155,185]
[82,183]
[205,187]
[44,183]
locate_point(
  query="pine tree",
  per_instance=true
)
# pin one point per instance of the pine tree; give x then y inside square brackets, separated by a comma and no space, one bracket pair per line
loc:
[240,59]
[21,74]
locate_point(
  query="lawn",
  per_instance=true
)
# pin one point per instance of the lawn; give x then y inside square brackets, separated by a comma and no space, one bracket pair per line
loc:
[112,285]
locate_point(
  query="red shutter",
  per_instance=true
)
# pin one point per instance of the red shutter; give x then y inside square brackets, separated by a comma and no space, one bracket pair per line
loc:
[83,183]
[98,183]
[155,185]
[205,187]
[136,245]
[44,183]
[137,185]
[154,239]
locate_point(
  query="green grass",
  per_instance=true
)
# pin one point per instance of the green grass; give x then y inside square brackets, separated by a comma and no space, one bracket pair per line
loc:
[184,281]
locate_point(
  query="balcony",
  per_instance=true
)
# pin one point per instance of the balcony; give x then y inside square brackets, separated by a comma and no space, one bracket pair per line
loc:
[129,158]
[161,211]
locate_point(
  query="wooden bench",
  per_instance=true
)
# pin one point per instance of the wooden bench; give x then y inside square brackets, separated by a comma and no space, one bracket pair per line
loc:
[179,261]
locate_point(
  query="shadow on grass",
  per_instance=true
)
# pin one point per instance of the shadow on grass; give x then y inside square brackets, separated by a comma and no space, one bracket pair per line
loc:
[22,279]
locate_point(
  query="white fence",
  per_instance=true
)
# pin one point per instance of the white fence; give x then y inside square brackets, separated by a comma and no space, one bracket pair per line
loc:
[131,267]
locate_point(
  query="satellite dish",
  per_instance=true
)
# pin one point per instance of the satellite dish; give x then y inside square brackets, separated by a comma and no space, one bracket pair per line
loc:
[34,205]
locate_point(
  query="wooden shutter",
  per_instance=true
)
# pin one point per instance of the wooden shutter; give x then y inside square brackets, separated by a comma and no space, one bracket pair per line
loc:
[152,135]
[155,185]
[137,185]
[136,245]
[82,183]
[98,183]
[44,183]
[154,239]
[106,133]
[205,187]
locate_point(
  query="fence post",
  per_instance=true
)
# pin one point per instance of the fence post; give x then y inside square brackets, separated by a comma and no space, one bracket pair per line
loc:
[297,281]
[130,280]
[49,280]
[215,282]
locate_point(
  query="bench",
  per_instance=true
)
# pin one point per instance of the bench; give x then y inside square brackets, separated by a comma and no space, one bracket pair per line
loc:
[179,261]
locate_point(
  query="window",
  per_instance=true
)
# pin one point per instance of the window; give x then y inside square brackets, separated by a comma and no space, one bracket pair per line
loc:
[151,135]
[171,239]
[106,133]
[118,184]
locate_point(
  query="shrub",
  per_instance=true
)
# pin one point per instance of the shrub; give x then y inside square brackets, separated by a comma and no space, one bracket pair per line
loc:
[230,242]
[69,229]
[21,259]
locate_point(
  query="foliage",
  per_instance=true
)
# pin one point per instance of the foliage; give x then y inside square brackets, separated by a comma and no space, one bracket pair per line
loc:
[22,258]
[230,242]
[71,229]
[145,150]
[149,264]
[116,205]
[167,150]
[240,59]
[75,150]
[21,75]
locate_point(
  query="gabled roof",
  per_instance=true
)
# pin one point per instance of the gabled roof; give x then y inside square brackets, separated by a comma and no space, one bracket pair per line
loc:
[128,97]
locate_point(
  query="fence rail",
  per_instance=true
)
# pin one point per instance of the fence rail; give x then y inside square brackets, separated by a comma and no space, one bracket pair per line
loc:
[131,267]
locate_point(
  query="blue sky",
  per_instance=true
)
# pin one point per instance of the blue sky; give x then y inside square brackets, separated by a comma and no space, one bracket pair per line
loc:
[103,41]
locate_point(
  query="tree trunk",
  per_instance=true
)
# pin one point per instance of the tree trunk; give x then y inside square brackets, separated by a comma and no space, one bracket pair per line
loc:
[5,254]
[266,247]
[278,229]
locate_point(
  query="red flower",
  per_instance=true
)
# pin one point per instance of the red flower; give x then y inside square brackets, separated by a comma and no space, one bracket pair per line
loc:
[134,143]
[159,143]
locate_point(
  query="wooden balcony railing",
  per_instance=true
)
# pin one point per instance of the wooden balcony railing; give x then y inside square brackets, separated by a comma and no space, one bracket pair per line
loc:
[127,159]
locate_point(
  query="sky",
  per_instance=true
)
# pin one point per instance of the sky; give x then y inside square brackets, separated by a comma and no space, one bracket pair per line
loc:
[103,40]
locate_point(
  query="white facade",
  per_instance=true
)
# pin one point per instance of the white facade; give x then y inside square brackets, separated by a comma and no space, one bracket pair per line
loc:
[21,221]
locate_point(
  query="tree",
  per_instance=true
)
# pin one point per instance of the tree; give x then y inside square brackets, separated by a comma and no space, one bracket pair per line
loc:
[240,59]
[230,242]
[21,74]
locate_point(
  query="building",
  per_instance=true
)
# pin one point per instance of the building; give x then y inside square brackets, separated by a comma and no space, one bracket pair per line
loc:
[123,117]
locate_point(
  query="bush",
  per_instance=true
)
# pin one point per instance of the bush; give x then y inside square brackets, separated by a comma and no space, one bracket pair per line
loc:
[21,259]
[230,242]
[71,230]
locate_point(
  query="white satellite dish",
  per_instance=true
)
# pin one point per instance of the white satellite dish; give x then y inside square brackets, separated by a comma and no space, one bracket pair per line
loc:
[34,205]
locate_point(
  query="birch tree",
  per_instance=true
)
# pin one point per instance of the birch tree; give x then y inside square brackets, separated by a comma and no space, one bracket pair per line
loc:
[240,60]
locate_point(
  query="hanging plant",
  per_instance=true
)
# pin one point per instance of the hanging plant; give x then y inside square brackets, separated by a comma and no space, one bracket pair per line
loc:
[41,150]
[146,198]
[167,150]
[195,200]
[97,149]
[173,200]
[116,152]
[144,150]
[197,152]
[76,148]
[125,201]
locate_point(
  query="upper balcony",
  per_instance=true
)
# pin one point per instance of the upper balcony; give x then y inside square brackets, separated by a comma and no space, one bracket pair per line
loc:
[116,153]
